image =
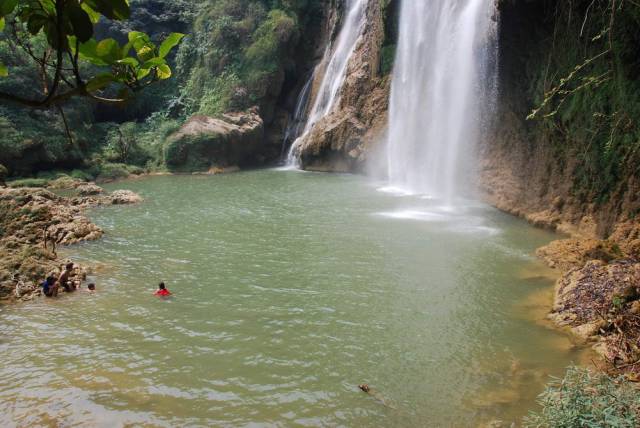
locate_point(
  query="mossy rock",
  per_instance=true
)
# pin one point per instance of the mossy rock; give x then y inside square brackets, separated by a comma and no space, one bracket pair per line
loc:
[204,142]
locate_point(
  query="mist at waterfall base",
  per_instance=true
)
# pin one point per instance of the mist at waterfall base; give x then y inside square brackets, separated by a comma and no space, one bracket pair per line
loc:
[441,97]
[336,61]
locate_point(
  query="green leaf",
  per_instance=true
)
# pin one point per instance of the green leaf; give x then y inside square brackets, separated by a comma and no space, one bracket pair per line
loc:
[108,50]
[129,61]
[164,72]
[81,22]
[113,9]
[169,43]
[145,53]
[142,73]
[4,72]
[93,15]
[154,62]
[1,24]
[142,44]
[125,49]
[7,6]
[101,81]
[49,6]
[88,51]
[135,35]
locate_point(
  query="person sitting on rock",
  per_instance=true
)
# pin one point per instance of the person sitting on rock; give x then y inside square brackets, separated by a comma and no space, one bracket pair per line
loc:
[162,291]
[50,286]
[64,279]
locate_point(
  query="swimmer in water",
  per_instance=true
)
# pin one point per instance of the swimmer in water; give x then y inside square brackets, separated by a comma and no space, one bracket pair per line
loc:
[366,388]
[162,290]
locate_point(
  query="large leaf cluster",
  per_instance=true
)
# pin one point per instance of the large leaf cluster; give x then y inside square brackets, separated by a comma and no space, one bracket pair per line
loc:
[69,29]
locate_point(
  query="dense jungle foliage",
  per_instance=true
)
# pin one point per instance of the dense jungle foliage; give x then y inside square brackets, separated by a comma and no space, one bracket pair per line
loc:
[581,65]
[237,53]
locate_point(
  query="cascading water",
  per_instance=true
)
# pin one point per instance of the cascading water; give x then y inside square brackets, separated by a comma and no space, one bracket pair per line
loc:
[442,85]
[295,126]
[336,61]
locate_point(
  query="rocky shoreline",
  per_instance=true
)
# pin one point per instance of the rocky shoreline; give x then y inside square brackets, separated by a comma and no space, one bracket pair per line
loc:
[34,222]
[597,294]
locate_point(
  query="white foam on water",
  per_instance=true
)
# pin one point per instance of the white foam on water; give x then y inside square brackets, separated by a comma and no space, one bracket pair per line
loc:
[397,191]
[414,215]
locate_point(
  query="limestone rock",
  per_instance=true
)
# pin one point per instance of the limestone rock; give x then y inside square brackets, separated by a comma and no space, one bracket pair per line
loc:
[33,222]
[344,139]
[64,182]
[89,189]
[205,142]
[123,197]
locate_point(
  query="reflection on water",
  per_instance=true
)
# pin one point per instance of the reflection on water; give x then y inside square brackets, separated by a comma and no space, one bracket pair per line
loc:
[289,290]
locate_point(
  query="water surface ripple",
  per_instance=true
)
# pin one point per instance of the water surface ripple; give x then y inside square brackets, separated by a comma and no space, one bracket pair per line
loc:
[290,290]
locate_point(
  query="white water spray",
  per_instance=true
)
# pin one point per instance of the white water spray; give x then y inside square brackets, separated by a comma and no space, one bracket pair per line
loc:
[297,121]
[336,60]
[441,93]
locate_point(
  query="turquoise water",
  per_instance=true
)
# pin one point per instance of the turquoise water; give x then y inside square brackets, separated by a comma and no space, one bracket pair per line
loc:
[290,289]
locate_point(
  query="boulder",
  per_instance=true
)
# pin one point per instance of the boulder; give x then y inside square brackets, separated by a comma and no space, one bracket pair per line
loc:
[333,144]
[123,197]
[205,142]
[89,189]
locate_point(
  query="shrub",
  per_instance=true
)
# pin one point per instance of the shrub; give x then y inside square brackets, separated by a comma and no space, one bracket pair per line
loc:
[29,182]
[587,399]
[387,59]
[112,171]
[4,172]
[63,182]
[124,144]
[81,175]
[218,97]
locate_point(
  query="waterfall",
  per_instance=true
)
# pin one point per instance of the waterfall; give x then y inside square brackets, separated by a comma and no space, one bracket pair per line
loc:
[336,61]
[294,127]
[441,92]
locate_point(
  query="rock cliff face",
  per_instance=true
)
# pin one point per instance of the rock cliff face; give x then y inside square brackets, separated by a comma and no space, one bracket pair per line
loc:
[342,141]
[542,173]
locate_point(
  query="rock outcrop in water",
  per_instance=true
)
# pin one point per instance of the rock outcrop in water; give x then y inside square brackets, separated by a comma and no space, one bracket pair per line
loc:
[205,142]
[31,216]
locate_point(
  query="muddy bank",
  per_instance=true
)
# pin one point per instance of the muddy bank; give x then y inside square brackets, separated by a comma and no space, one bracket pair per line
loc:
[36,222]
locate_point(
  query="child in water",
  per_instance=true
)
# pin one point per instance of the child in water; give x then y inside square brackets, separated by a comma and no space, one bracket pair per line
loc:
[162,291]
[91,288]
[50,286]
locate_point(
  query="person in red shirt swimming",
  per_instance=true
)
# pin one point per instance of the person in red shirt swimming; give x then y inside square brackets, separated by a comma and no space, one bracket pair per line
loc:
[162,290]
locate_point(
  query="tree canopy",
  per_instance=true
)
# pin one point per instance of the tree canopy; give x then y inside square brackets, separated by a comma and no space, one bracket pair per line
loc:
[58,37]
